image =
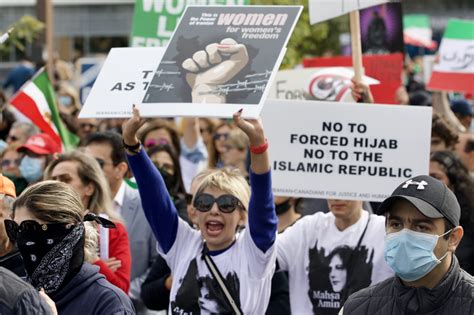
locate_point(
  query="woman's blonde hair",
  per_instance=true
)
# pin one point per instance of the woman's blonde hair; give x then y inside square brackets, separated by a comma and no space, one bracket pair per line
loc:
[229,181]
[89,171]
[56,202]
[238,139]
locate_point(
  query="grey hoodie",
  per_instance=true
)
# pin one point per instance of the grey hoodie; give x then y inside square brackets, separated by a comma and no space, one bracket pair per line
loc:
[90,293]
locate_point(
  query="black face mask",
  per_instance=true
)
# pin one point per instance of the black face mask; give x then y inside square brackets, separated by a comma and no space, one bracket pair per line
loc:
[282,207]
[52,253]
[170,180]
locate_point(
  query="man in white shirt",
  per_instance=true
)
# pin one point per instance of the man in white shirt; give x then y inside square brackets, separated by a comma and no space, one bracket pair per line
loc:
[330,255]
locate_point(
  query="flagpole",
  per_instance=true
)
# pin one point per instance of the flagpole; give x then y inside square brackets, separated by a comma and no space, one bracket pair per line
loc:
[49,19]
[356,45]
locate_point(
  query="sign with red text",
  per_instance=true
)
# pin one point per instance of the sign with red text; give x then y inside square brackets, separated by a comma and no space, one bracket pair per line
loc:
[221,59]
[345,150]
[154,21]
[318,84]
[385,68]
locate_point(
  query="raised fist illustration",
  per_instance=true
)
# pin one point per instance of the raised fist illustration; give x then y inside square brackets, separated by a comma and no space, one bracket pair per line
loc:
[215,65]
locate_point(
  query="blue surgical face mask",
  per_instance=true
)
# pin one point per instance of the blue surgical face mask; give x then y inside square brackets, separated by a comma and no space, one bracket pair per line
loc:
[31,168]
[410,254]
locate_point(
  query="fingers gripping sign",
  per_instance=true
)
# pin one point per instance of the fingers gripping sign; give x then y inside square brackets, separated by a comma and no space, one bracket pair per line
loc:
[216,65]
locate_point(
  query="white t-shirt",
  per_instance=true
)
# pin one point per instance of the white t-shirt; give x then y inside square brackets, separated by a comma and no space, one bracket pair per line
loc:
[316,255]
[246,269]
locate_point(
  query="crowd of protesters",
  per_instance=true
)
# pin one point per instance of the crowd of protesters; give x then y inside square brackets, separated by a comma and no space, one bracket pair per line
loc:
[177,215]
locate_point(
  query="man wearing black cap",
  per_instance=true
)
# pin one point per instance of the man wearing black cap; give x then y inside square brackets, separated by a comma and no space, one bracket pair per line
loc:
[422,234]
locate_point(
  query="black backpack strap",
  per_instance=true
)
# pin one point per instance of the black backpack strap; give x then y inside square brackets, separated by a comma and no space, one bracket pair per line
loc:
[220,281]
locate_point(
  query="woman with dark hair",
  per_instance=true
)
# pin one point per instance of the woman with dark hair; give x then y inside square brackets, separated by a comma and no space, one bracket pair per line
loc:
[448,168]
[190,148]
[167,163]
[218,145]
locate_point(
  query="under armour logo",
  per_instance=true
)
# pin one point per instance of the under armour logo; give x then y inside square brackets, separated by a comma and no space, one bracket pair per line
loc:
[421,185]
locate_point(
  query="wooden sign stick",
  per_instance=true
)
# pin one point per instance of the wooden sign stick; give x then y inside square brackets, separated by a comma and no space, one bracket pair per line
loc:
[356,45]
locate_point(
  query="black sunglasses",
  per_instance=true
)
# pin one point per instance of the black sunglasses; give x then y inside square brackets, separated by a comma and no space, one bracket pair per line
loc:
[13,228]
[225,203]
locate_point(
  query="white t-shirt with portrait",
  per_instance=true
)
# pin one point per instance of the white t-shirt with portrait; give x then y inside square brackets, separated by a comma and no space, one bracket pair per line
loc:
[321,260]
[246,269]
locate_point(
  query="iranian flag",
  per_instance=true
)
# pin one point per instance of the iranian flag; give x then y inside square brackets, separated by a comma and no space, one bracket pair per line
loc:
[417,31]
[36,101]
[455,68]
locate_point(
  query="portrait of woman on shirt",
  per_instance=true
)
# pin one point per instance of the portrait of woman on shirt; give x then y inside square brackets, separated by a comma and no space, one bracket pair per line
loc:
[224,201]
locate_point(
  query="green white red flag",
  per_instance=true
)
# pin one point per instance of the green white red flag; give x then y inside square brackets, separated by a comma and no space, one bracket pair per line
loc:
[36,100]
[454,70]
[417,31]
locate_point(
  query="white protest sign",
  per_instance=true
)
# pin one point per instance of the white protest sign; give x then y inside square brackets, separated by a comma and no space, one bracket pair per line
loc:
[345,151]
[322,10]
[221,59]
[322,84]
[122,81]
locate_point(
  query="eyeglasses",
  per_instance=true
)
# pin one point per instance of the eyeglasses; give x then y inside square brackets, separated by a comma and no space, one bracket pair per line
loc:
[152,142]
[219,136]
[7,163]
[225,203]
[13,229]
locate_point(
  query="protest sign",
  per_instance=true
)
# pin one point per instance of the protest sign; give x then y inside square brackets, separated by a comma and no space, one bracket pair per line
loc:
[322,10]
[89,69]
[123,80]
[455,68]
[385,68]
[221,59]
[417,31]
[381,29]
[155,20]
[345,151]
[321,84]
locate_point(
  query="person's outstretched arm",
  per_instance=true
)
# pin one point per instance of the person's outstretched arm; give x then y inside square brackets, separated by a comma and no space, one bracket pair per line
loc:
[157,204]
[263,222]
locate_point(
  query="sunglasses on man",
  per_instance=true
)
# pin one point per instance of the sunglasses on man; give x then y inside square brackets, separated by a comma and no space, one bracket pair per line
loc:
[225,203]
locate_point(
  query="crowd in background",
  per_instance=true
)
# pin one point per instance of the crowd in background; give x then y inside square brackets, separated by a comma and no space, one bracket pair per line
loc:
[122,243]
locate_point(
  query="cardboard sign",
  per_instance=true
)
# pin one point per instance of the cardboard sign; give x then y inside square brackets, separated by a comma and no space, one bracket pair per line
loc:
[321,84]
[385,68]
[221,59]
[123,81]
[322,10]
[381,29]
[345,151]
[154,21]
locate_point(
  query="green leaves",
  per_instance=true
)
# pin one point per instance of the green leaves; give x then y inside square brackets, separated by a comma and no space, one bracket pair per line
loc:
[26,29]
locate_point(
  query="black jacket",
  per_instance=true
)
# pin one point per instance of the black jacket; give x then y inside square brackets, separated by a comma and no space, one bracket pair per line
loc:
[89,293]
[18,297]
[454,294]
[13,262]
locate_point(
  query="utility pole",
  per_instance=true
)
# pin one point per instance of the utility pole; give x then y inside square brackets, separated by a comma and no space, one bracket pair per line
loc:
[45,13]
